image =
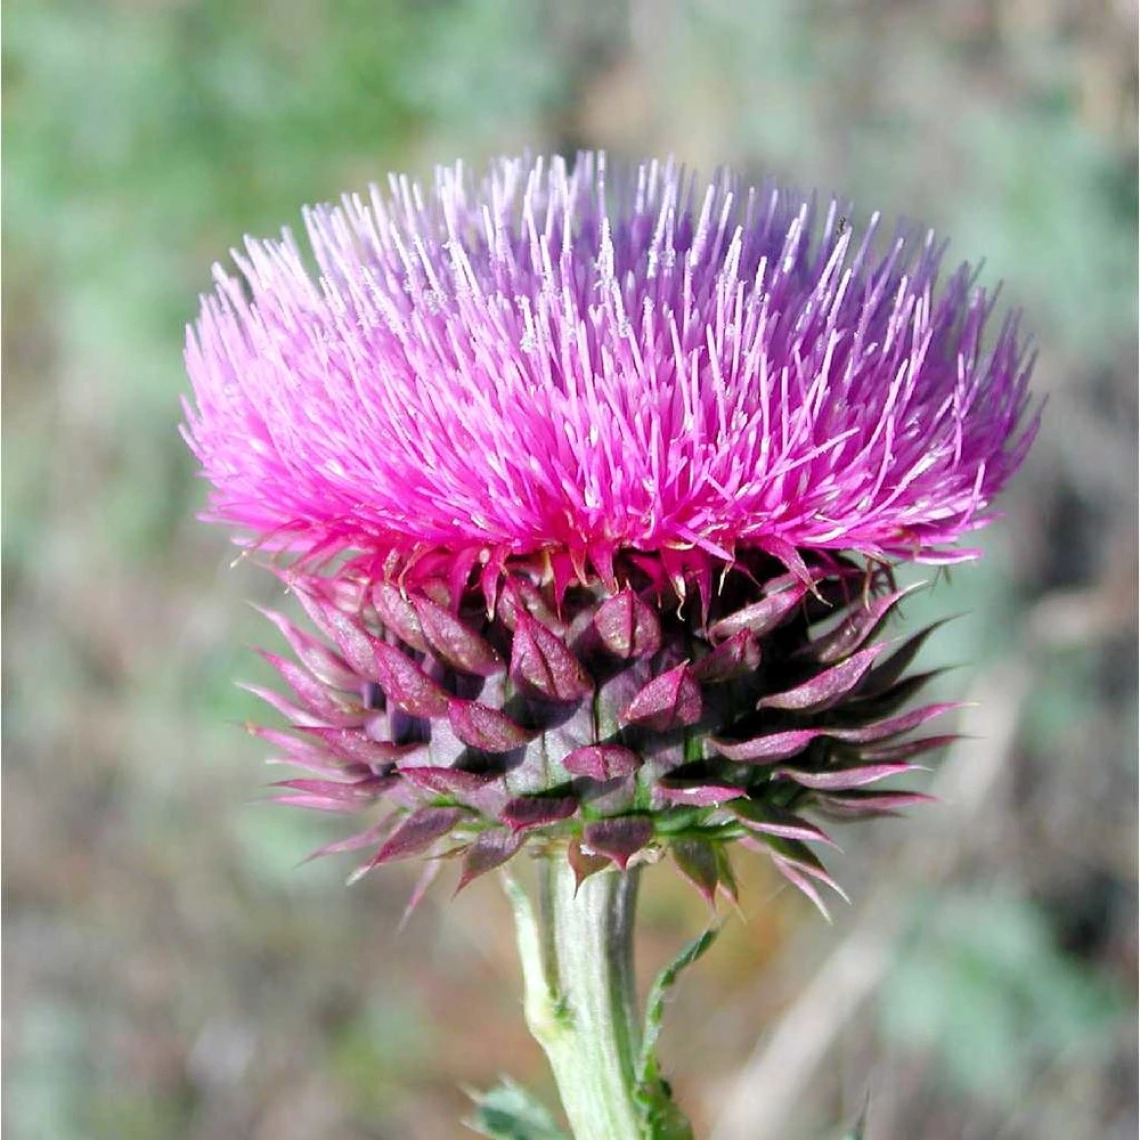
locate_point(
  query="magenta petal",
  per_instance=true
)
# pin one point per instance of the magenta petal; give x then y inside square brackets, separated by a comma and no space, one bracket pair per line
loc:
[578,359]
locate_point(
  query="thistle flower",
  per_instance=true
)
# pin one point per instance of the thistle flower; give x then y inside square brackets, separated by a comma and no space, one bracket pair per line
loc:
[592,480]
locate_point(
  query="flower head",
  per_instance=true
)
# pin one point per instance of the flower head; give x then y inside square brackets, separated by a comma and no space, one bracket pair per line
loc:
[587,361]
[509,425]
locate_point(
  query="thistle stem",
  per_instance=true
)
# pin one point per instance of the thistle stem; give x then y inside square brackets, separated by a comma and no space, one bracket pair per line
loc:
[581,1003]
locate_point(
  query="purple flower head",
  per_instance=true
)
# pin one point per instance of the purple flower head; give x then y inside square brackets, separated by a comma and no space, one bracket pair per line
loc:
[506,425]
[590,360]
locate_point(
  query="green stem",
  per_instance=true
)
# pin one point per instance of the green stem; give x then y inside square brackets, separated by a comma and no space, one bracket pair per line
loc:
[581,1003]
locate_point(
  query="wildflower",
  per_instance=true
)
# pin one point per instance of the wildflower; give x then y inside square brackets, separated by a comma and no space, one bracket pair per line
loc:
[591,481]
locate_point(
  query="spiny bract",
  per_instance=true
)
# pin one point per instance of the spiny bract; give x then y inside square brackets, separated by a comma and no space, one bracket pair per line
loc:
[618,724]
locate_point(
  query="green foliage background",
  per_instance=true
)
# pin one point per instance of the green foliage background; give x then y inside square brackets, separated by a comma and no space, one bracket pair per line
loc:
[170,971]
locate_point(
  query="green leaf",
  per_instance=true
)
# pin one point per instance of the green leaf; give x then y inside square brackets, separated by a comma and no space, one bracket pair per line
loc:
[509,1112]
[653,1092]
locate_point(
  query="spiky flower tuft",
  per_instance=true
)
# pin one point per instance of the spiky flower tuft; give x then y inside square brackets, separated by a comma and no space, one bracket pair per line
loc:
[560,360]
[591,477]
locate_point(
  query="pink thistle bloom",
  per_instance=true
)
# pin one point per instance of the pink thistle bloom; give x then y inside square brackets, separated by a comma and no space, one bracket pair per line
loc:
[587,361]
[502,431]
[505,429]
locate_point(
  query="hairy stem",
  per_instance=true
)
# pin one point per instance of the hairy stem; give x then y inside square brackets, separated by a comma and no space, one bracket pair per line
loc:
[581,1002]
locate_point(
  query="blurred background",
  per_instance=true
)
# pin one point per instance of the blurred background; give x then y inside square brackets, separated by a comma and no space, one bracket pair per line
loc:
[169,969]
